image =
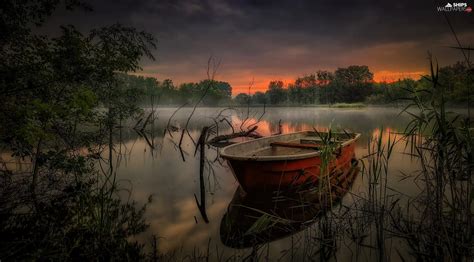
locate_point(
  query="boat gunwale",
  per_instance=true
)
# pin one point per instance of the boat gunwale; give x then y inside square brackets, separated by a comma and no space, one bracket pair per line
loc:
[228,156]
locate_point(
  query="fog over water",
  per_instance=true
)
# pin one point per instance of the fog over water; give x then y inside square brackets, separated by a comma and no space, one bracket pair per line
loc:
[173,214]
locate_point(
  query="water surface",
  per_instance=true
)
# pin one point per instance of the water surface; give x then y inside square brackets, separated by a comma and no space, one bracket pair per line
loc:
[161,172]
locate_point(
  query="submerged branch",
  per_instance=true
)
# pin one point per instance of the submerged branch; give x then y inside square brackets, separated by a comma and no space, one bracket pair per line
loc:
[248,133]
[202,188]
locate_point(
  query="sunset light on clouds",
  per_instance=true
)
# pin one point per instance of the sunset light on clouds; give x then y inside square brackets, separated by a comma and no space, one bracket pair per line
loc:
[264,40]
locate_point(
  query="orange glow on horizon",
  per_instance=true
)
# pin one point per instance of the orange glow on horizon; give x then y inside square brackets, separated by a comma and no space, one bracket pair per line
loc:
[241,82]
[261,84]
[392,76]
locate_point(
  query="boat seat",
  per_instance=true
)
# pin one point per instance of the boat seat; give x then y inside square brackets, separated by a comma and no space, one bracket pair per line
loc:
[310,141]
[295,145]
[318,141]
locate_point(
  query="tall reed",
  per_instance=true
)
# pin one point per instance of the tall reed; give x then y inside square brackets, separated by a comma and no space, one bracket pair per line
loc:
[438,223]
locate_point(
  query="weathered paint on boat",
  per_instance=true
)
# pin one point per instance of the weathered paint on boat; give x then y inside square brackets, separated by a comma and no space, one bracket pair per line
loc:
[258,166]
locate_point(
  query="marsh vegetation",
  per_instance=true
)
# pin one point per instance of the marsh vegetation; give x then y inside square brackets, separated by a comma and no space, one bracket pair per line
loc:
[87,173]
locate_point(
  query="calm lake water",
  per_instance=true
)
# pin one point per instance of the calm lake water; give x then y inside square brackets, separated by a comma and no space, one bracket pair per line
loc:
[161,172]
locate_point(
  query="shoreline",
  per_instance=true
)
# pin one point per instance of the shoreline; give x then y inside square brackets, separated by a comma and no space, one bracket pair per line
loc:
[324,106]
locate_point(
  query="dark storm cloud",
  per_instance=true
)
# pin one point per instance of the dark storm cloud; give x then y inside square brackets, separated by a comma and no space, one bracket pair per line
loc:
[275,38]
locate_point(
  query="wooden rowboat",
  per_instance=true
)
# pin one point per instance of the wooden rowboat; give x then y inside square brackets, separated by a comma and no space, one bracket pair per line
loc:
[289,160]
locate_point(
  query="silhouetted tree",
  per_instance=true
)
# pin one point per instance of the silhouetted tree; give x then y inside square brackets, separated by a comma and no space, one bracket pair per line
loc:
[242,99]
[51,89]
[324,78]
[307,89]
[352,84]
[218,93]
[275,93]
[259,98]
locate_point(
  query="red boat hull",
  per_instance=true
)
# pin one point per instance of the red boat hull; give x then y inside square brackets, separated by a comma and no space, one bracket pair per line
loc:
[281,174]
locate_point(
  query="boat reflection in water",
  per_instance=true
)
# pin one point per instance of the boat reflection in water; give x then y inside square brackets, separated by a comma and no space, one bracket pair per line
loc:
[255,218]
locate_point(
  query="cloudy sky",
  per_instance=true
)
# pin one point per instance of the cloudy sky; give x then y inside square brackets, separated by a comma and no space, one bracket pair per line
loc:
[263,40]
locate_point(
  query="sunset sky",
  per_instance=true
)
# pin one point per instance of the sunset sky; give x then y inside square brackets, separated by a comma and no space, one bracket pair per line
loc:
[281,40]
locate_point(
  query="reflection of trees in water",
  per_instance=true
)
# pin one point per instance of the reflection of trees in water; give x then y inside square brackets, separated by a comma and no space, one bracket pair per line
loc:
[370,217]
[222,123]
[292,119]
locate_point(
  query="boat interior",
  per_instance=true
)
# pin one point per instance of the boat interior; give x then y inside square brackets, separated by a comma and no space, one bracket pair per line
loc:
[288,144]
[296,146]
